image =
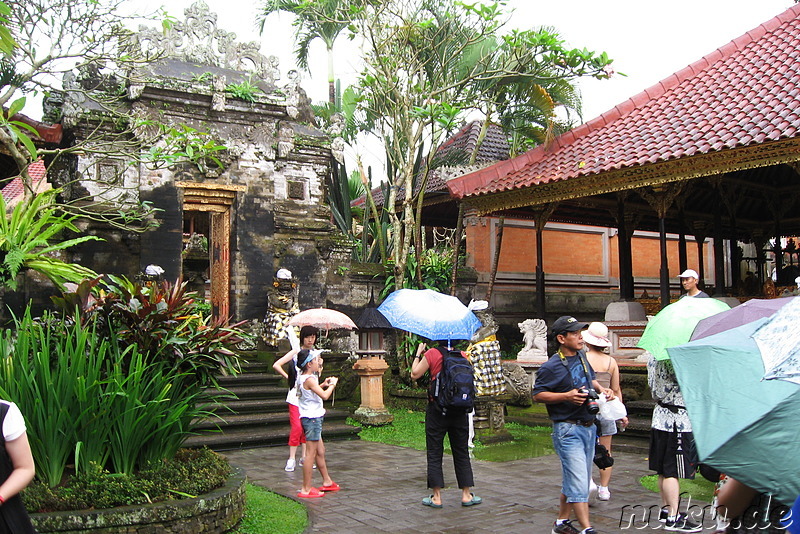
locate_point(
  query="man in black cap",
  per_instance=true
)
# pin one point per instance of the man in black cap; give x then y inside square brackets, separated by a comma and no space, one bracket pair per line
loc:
[562,383]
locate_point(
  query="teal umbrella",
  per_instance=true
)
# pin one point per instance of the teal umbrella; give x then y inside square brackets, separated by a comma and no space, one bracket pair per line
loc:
[744,426]
[675,323]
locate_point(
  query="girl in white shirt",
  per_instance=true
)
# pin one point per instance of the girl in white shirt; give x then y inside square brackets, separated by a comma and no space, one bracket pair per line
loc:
[297,438]
[311,394]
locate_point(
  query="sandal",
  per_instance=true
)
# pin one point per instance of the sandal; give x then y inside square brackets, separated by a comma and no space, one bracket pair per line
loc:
[428,501]
[313,493]
[473,501]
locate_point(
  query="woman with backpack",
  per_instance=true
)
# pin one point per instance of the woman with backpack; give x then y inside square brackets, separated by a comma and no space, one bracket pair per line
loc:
[308,336]
[445,416]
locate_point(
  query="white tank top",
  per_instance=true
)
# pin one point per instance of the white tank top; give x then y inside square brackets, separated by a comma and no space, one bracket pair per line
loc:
[310,402]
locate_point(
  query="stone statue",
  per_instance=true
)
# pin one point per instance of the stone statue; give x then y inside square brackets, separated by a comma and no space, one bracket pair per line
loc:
[282,305]
[534,334]
[484,352]
[518,384]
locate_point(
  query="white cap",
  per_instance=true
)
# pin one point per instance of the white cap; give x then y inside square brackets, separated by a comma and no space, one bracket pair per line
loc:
[597,335]
[689,273]
[284,274]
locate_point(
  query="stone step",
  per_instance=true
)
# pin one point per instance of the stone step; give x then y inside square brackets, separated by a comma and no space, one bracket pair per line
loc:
[252,412]
[233,421]
[238,406]
[249,391]
[267,379]
[265,437]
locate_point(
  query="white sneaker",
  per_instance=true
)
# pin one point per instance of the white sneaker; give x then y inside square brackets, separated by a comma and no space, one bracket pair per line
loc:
[592,492]
[290,465]
[603,494]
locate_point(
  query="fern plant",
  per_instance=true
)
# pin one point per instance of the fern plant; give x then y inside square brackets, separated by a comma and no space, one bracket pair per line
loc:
[30,234]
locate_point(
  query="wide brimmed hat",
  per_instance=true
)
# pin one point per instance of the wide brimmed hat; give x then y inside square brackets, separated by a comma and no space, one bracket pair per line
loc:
[597,335]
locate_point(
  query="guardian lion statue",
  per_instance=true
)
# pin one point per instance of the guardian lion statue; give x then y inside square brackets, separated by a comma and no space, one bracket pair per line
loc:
[534,334]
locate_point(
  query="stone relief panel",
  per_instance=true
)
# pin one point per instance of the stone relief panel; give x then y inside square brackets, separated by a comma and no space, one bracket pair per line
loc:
[198,40]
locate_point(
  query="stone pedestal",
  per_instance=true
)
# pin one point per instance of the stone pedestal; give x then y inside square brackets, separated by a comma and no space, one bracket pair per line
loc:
[625,312]
[489,421]
[372,410]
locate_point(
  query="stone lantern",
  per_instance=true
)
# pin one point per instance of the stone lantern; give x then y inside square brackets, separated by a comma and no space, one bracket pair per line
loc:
[370,366]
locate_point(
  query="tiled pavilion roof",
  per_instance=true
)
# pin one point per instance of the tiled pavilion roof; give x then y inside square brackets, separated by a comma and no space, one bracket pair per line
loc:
[745,94]
[493,148]
[14,191]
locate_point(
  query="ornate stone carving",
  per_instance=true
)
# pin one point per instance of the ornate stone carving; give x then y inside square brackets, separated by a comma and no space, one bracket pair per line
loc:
[285,140]
[218,94]
[534,334]
[198,40]
[485,354]
[282,305]
[518,384]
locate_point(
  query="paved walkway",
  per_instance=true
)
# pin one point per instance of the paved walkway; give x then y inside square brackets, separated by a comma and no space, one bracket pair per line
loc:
[383,486]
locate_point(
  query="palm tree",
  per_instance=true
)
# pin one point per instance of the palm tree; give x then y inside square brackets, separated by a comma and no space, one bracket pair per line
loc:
[323,19]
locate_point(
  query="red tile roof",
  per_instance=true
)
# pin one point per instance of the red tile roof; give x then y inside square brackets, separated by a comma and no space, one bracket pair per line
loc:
[13,191]
[746,92]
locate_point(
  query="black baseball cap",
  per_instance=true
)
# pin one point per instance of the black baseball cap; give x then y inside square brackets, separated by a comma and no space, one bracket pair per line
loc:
[566,324]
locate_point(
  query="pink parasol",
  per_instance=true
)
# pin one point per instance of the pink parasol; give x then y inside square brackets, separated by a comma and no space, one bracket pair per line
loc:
[323,319]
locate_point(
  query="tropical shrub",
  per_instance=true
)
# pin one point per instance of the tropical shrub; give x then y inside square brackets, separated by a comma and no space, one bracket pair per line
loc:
[116,383]
[26,241]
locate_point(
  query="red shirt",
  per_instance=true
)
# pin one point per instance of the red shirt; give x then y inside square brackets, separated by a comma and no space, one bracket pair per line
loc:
[434,358]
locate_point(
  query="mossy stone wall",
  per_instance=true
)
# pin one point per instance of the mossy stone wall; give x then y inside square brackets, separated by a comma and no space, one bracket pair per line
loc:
[212,513]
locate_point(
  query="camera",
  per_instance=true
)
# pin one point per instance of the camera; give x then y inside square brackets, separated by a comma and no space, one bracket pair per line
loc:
[591,400]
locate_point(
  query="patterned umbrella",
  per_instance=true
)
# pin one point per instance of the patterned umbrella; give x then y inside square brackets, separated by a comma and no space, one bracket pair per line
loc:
[778,339]
[430,314]
[323,319]
[744,313]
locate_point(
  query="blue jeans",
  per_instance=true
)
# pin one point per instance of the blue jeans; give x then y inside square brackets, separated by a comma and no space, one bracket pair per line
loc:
[574,445]
[312,426]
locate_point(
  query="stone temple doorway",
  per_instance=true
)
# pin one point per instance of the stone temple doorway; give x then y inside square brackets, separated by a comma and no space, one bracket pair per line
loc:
[207,217]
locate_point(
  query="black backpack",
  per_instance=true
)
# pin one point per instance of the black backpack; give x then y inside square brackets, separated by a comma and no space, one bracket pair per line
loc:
[454,387]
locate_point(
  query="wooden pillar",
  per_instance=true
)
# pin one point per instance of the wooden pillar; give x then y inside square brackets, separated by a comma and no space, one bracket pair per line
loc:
[719,259]
[541,215]
[625,229]
[700,238]
[660,199]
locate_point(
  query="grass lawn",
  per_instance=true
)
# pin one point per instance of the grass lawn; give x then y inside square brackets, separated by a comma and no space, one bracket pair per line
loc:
[408,430]
[268,512]
[698,489]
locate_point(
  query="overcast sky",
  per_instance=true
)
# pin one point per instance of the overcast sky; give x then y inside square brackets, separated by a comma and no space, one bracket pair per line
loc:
[647,40]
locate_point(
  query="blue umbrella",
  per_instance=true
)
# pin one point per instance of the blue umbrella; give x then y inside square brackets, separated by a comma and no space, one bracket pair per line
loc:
[743,425]
[429,314]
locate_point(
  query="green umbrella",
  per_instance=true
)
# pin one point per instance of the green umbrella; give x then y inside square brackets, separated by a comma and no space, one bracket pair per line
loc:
[744,426]
[674,324]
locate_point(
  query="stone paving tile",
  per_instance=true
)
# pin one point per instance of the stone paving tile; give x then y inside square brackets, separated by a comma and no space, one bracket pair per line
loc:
[383,487]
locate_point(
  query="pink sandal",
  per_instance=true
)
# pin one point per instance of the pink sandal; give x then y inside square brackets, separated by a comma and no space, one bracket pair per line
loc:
[313,493]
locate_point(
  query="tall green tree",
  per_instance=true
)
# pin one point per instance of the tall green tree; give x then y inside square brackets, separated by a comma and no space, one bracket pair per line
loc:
[427,62]
[314,19]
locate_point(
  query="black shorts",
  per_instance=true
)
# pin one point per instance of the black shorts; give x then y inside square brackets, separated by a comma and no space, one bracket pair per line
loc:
[673,454]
